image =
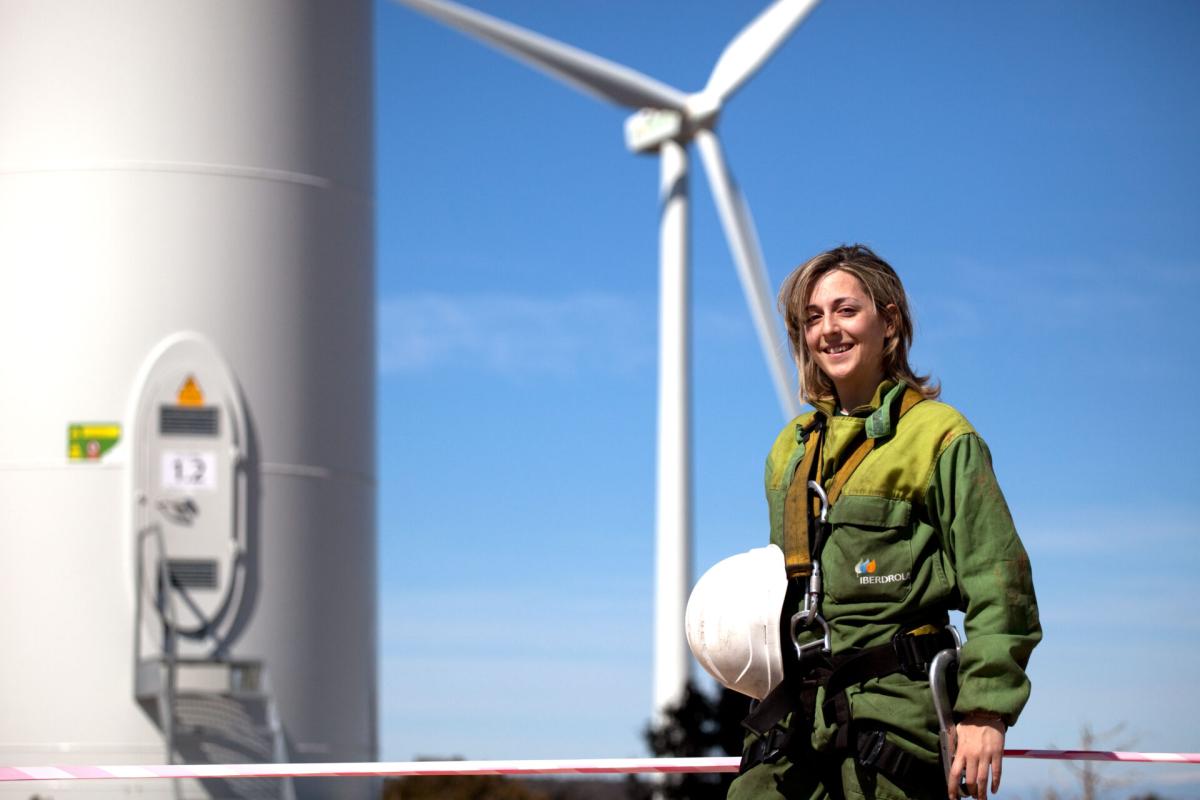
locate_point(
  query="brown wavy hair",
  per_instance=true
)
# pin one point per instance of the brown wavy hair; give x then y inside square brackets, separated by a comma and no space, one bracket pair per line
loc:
[883,286]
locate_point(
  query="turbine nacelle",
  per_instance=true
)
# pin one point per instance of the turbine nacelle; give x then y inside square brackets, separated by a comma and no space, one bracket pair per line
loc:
[646,130]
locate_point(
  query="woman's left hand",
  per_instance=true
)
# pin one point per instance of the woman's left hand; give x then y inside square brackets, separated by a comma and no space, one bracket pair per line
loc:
[980,749]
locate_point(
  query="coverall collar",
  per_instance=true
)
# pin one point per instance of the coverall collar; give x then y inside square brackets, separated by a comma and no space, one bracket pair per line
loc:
[879,412]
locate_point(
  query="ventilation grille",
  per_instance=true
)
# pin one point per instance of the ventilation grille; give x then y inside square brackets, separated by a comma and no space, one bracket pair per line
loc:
[193,573]
[185,421]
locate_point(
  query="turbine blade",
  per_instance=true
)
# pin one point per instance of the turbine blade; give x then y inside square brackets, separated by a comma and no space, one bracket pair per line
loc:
[589,73]
[747,255]
[757,42]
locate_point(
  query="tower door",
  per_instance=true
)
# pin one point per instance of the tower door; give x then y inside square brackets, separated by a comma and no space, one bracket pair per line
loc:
[189,488]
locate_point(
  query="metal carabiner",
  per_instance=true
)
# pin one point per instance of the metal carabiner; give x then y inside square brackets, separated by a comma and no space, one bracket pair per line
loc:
[812,597]
[808,617]
[807,614]
[824,498]
[799,626]
[942,707]
[957,637]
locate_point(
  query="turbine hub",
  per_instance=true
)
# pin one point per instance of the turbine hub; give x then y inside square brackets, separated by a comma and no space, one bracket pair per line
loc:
[702,109]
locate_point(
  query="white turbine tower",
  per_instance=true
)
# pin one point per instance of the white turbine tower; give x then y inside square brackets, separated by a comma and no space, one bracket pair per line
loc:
[666,120]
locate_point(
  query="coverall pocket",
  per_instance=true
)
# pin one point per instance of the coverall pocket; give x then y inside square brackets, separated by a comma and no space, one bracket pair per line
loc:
[869,553]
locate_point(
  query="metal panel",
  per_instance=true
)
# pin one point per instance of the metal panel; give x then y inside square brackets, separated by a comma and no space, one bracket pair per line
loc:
[200,165]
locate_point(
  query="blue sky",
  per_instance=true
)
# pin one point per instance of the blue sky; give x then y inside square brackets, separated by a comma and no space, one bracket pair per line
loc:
[1030,168]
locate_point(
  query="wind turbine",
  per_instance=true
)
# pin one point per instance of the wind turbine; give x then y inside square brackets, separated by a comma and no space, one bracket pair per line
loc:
[665,120]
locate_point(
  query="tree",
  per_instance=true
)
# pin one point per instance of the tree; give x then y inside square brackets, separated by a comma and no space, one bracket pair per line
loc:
[700,726]
[1091,783]
[459,787]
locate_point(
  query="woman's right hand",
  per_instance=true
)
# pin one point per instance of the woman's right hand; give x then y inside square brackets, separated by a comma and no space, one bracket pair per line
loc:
[980,750]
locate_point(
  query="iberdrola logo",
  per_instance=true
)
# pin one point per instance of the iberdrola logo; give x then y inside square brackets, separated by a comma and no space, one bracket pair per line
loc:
[865,567]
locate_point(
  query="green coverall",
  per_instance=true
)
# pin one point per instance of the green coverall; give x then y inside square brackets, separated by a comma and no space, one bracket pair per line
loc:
[920,527]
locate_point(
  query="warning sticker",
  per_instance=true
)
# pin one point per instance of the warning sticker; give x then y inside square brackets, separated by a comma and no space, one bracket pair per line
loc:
[89,441]
[190,394]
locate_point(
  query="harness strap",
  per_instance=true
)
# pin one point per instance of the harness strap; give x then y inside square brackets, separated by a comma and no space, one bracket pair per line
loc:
[800,541]
[767,749]
[785,698]
[871,749]
[875,751]
[774,739]
[770,711]
[797,506]
[909,653]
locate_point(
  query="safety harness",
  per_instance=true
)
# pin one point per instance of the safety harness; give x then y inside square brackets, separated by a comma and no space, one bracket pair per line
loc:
[811,666]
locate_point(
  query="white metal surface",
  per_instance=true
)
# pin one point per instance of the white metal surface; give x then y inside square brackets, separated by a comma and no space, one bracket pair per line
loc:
[585,71]
[201,166]
[756,43]
[751,270]
[673,528]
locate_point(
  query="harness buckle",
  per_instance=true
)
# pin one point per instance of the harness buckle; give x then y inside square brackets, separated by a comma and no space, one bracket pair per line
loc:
[765,750]
[801,623]
[915,649]
[777,741]
[870,749]
[909,656]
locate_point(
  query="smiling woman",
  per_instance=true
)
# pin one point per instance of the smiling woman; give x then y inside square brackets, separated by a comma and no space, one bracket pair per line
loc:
[888,514]
[849,326]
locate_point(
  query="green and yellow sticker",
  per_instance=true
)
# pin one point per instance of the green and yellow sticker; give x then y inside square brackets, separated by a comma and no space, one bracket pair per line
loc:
[89,441]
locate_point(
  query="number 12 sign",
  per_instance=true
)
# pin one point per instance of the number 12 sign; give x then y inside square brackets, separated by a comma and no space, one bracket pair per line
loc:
[189,470]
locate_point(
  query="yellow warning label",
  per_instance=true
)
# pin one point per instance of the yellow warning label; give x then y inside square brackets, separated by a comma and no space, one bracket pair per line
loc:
[89,441]
[190,393]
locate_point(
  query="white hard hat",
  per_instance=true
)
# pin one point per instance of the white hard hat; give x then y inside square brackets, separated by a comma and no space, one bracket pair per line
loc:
[732,621]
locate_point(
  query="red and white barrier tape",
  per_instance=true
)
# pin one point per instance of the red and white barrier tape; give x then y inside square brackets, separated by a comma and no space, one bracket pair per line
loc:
[582,766]
[1107,755]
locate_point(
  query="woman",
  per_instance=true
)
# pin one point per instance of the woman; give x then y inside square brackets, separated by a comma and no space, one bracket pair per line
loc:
[916,526]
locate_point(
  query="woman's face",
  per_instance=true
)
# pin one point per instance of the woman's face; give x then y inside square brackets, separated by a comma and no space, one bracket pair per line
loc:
[845,335]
